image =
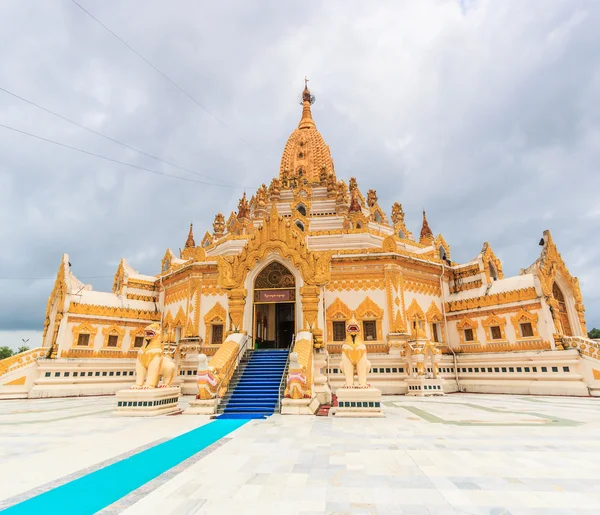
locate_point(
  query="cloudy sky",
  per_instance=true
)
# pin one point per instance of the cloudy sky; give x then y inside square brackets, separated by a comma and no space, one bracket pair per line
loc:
[486,113]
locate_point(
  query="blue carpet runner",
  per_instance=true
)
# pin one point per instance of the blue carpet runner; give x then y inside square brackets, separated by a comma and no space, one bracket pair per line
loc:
[101,488]
[257,391]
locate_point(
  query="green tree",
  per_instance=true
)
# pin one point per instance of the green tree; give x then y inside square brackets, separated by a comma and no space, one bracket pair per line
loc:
[22,348]
[594,333]
[5,352]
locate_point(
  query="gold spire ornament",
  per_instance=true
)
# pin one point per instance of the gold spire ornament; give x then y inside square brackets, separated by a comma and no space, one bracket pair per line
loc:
[190,239]
[426,234]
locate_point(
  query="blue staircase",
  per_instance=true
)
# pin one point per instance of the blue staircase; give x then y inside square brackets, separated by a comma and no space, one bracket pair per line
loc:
[257,391]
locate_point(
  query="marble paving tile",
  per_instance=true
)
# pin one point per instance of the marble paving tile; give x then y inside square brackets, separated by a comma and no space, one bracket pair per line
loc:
[459,454]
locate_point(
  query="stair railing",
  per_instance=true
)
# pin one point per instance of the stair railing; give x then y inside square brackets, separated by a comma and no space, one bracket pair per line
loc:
[283,381]
[243,348]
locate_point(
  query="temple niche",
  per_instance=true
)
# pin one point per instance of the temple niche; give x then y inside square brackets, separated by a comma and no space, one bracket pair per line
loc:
[303,264]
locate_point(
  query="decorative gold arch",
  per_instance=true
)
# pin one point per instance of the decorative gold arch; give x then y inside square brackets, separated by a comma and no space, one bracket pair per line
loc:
[439,241]
[549,265]
[414,316]
[488,257]
[85,328]
[339,310]
[389,244]
[133,334]
[467,323]
[215,315]
[523,317]
[435,316]
[113,330]
[336,312]
[275,235]
[56,297]
[491,321]
[367,310]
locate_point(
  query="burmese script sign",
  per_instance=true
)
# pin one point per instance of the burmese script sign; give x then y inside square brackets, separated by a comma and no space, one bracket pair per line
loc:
[274,295]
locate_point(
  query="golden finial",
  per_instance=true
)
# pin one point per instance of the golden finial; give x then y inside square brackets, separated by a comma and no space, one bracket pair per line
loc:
[190,239]
[426,234]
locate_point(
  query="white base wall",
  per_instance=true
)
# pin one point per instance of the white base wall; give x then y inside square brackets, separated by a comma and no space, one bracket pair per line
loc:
[524,373]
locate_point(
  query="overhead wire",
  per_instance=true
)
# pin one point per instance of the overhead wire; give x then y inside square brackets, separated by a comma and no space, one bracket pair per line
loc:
[131,165]
[23,99]
[163,74]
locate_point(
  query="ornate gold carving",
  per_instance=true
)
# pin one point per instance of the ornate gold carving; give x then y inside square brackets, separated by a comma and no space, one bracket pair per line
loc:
[275,235]
[504,347]
[337,311]
[176,293]
[368,310]
[22,359]
[490,262]
[108,311]
[497,311]
[494,320]
[435,316]
[467,323]
[523,317]
[85,328]
[441,242]
[416,318]
[310,306]
[549,265]
[144,298]
[215,315]
[274,275]
[426,234]
[594,371]
[119,279]
[421,285]
[57,297]
[140,285]
[494,299]
[358,282]
[237,301]
[395,299]
[471,285]
[389,244]
[113,330]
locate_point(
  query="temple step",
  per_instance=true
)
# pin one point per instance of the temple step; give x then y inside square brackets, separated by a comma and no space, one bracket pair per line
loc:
[257,388]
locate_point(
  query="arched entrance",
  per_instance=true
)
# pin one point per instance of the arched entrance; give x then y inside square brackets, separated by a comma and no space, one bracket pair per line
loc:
[274,307]
[563,315]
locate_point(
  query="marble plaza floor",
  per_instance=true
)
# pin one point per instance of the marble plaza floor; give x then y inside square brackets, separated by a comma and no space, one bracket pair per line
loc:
[460,454]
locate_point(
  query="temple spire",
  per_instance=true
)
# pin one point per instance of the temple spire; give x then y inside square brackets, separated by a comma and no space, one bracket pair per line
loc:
[426,234]
[307,121]
[190,239]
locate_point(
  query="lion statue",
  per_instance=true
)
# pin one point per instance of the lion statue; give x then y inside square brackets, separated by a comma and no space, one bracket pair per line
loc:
[206,379]
[296,381]
[354,356]
[151,363]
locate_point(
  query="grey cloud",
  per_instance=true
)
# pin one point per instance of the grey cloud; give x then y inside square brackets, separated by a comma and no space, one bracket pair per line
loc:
[482,112]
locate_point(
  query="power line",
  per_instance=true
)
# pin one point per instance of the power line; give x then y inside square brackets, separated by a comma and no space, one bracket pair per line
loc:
[108,137]
[53,277]
[163,74]
[116,160]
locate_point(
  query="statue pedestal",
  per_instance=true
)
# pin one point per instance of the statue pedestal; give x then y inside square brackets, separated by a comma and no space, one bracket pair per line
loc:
[299,406]
[202,407]
[423,387]
[147,403]
[358,402]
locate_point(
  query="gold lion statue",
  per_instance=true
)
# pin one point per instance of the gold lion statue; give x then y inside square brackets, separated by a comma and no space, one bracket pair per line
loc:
[152,363]
[354,356]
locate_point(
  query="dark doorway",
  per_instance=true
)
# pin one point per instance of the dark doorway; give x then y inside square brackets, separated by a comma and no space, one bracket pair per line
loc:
[284,320]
